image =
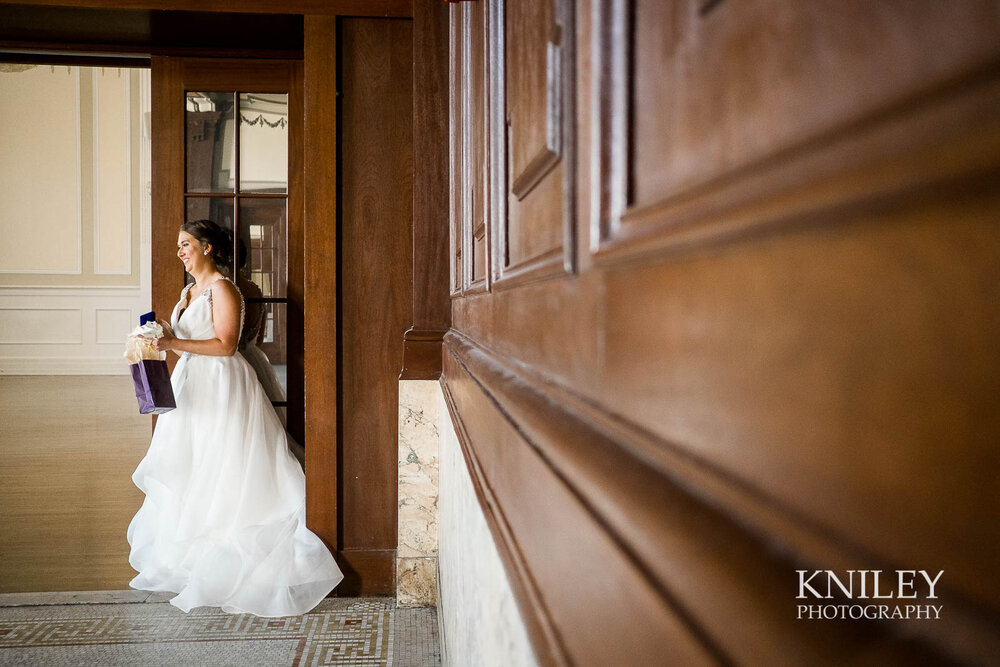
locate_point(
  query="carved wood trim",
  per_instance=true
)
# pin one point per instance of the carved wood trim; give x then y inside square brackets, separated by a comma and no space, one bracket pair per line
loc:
[538,168]
[933,138]
[455,163]
[942,142]
[560,147]
[691,528]
[541,267]
[474,230]
[497,139]
[422,354]
[467,191]
[611,48]
[549,155]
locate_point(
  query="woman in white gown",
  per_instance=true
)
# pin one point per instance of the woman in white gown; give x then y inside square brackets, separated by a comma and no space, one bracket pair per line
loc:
[223,521]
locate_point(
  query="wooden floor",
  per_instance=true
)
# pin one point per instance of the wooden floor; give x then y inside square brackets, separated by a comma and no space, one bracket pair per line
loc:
[68,446]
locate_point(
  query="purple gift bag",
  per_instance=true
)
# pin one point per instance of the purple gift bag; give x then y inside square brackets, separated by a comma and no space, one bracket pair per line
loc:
[152,386]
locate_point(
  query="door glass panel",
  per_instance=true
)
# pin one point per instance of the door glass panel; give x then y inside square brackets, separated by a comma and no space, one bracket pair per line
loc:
[210,137]
[264,231]
[264,142]
[217,209]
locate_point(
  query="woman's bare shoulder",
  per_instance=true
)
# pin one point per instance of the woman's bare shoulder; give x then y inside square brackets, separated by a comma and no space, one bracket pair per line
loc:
[224,288]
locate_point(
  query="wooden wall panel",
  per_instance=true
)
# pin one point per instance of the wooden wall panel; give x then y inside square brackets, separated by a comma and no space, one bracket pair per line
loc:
[320,277]
[476,176]
[456,163]
[534,236]
[535,500]
[776,352]
[733,93]
[375,277]
[431,178]
[733,102]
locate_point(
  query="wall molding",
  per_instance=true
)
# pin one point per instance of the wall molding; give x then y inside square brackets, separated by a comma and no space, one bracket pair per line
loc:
[51,309]
[670,514]
[422,354]
[115,291]
[559,149]
[936,138]
[64,366]
[118,338]
[125,75]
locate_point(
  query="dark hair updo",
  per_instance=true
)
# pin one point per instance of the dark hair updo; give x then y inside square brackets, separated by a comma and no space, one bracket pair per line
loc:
[209,233]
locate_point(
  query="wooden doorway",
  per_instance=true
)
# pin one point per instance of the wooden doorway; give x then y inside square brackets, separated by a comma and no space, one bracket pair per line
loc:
[349,257]
[227,146]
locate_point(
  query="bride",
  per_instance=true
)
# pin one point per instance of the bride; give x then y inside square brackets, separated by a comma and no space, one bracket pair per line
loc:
[223,521]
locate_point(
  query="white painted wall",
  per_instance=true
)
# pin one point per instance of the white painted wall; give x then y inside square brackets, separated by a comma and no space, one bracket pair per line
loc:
[479,620]
[75,222]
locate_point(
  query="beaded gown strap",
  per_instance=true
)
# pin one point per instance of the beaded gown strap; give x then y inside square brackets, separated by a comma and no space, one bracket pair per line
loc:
[243,305]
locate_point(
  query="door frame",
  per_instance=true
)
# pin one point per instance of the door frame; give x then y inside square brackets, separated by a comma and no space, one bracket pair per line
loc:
[170,78]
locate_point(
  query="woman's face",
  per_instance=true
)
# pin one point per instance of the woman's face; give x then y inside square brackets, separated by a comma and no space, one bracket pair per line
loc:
[190,251]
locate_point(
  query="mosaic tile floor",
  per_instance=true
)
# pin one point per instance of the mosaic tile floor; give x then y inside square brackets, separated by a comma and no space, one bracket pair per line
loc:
[340,631]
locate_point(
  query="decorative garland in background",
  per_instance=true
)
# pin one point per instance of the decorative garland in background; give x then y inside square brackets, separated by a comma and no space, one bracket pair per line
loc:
[260,120]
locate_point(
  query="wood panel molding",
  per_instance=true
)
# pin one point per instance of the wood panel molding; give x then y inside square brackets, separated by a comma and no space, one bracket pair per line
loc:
[688,528]
[422,354]
[558,151]
[455,141]
[930,138]
[474,198]
[547,156]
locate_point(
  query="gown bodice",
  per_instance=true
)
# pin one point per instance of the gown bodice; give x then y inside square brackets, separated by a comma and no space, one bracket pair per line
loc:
[192,319]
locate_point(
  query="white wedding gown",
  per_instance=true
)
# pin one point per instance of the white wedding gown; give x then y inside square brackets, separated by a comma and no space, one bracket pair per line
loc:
[223,522]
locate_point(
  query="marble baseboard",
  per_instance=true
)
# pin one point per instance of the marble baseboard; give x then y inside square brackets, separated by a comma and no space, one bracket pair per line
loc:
[416,582]
[417,539]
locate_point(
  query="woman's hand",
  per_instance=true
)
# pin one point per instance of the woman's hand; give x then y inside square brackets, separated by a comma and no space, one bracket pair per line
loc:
[166,341]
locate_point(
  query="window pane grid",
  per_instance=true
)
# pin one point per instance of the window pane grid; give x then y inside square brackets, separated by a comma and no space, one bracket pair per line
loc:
[237,176]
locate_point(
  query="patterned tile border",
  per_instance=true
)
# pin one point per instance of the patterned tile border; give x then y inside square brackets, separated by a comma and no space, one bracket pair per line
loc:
[337,632]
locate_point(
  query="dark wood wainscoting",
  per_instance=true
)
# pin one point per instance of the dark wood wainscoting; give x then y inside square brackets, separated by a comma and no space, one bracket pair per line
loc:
[735,317]
[375,288]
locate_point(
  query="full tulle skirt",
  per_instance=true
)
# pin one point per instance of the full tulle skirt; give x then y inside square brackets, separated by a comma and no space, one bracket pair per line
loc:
[223,521]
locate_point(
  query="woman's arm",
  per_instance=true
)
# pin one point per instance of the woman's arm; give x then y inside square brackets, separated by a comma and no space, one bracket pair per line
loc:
[225,316]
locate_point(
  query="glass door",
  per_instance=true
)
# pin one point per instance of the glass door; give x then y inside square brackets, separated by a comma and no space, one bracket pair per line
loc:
[236,157]
[227,145]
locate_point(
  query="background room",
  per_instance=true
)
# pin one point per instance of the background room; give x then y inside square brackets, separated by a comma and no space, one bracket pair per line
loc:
[74,277]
